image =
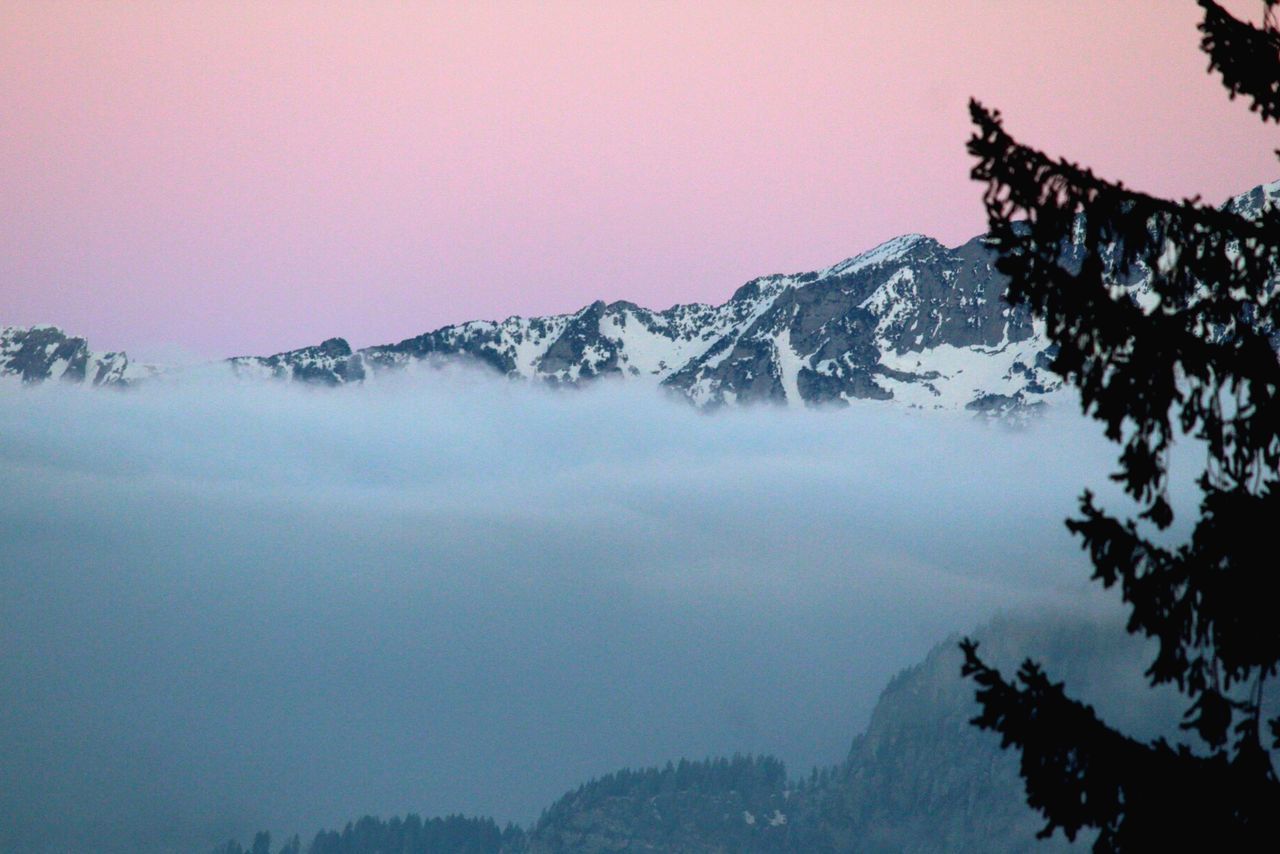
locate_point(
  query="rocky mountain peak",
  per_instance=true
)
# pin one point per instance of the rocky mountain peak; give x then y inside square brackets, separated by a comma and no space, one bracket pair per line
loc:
[40,353]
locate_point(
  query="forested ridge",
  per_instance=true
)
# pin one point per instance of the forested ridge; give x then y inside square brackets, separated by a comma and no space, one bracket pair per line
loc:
[917,778]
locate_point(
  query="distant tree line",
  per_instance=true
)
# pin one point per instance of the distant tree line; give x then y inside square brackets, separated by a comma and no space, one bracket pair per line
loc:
[754,779]
[409,835]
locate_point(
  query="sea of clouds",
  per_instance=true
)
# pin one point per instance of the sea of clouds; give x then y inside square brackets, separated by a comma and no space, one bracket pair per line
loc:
[230,606]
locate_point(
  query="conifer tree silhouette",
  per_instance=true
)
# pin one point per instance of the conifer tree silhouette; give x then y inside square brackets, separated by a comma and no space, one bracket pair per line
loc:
[1201,358]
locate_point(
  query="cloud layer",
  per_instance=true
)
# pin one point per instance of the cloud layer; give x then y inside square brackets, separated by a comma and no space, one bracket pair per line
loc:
[227,607]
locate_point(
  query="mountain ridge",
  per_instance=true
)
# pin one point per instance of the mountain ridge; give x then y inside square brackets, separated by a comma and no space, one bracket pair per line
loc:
[910,321]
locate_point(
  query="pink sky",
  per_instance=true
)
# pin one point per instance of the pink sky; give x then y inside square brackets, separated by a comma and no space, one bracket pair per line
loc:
[249,177]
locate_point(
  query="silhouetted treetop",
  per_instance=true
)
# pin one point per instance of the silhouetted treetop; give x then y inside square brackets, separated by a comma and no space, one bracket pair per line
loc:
[1245,55]
[1166,316]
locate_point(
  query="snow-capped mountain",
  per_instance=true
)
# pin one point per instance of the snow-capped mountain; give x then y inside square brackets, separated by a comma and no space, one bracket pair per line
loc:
[40,353]
[906,321]
[910,321]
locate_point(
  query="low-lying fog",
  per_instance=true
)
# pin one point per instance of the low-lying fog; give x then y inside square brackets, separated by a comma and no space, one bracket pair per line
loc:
[231,607]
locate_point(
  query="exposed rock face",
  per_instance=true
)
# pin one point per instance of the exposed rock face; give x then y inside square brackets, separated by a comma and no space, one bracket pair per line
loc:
[911,321]
[42,353]
[877,326]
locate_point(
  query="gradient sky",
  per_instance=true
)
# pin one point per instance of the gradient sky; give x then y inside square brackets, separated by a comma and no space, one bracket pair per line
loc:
[249,177]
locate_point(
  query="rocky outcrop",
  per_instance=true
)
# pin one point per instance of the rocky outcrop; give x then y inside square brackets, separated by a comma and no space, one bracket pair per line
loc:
[329,363]
[42,353]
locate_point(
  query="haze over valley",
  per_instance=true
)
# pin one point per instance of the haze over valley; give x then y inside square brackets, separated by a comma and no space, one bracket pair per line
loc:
[232,606]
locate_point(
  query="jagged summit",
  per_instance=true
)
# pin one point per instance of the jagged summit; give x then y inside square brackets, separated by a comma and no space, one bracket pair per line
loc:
[911,320]
[890,250]
[329,362]
[43,352]
[1252,203]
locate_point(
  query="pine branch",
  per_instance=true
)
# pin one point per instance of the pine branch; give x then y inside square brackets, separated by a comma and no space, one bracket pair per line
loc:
[1081,774]
[1247,57]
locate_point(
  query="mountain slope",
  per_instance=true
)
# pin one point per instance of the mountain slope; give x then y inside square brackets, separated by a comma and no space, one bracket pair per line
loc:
[921,778]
